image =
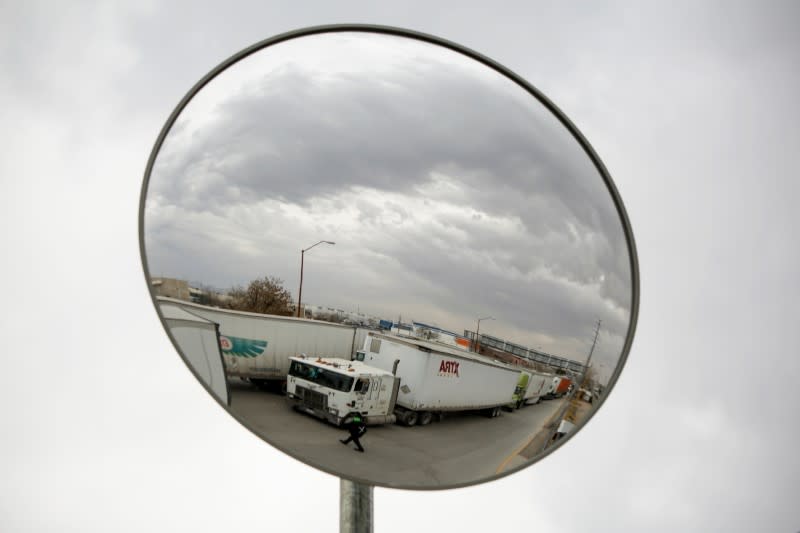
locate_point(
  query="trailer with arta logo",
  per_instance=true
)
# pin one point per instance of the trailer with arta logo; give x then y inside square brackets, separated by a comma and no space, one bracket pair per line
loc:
[257,347]
[436,379]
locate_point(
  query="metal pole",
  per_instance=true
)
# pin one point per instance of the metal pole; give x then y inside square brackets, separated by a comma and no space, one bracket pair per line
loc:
[355,507]
[300,292]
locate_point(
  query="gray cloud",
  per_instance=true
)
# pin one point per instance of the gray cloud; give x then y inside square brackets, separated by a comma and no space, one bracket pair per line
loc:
[690,106]
[477,193]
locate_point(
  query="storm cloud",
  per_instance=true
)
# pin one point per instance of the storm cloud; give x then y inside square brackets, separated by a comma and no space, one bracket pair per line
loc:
[450,190]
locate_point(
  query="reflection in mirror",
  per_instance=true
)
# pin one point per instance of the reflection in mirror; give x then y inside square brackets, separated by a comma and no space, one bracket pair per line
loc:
[397,244]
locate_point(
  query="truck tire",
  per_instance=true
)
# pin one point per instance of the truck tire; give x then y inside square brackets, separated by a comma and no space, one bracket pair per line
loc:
[410,418]
[425,418]
[261,384]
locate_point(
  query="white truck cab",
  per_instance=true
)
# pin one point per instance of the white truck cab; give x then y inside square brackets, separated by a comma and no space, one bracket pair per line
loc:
[330,388]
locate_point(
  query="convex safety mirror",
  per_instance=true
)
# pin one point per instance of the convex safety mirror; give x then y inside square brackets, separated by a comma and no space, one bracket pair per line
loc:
[365,238]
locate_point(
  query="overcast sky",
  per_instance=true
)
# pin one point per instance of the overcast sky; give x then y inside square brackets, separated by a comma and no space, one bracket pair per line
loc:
[451,193]
[692,108]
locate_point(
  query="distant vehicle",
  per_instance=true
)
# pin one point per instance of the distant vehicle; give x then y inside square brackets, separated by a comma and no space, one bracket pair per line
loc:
[257,347]
[559,386]
[518,398]
[536,388]
[530,389]
[564,428]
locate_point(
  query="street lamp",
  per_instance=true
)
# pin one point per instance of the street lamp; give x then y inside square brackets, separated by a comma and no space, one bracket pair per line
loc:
[302,255]
[478,331]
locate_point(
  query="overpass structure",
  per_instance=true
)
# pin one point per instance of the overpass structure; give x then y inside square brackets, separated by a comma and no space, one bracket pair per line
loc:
[524,352]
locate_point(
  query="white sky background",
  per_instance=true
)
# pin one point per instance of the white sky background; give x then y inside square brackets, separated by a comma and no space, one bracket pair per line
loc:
[694,112]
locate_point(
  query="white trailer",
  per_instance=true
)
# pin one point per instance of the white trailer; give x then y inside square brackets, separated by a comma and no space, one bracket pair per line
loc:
[331,388]
[258,347]
[435,379]
[197,339]
[559,386]
[537,387]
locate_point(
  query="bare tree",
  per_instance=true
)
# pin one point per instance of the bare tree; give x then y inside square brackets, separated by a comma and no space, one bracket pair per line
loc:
[266,296]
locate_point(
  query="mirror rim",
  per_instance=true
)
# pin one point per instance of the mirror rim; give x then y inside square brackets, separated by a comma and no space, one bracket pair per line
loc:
[459,49]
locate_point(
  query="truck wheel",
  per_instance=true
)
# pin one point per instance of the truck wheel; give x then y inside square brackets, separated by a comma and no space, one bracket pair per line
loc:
[425,418]
[261,384]
[410,418]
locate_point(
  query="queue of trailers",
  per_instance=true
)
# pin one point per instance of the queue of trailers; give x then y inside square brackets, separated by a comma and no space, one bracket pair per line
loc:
[410,381]
[329,370]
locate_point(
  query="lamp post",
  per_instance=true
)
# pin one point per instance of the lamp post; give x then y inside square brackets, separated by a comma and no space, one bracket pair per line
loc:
[302,256]
[478,331]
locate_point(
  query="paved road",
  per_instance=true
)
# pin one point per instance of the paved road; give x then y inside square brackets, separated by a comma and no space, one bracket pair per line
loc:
[462,448]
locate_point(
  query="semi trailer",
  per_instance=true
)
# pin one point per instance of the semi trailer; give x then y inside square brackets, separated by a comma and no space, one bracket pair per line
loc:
[537,387]
[197,339]
[436,379]
[559,386]
[530,389]
[257,347]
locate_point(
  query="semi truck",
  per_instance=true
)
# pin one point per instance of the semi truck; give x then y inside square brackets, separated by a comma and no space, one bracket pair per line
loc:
[436,379]
[413,382]
[531,387]
[559,386]
[537,388]
[257,347]
[331,388]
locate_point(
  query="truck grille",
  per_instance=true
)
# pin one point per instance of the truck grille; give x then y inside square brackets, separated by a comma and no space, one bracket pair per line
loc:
[312,399]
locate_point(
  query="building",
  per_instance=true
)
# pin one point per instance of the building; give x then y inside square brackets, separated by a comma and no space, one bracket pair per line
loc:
[171,288]
[181,290]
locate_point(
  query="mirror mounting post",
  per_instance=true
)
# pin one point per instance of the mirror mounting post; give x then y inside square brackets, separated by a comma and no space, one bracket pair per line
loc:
[355,507]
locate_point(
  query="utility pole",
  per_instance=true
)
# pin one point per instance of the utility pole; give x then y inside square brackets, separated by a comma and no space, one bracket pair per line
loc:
[300,291]
[570,411]
[573,404]
[596,331]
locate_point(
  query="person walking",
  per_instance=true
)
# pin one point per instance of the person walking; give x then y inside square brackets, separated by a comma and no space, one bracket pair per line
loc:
[357,427]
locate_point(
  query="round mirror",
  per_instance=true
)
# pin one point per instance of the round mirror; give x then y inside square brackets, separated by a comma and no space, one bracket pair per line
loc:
[388,256]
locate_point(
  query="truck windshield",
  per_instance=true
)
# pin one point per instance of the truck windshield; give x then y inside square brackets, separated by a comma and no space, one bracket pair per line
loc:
[321,376]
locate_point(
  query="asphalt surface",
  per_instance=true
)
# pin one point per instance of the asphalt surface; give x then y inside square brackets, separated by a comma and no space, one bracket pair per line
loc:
[463,448]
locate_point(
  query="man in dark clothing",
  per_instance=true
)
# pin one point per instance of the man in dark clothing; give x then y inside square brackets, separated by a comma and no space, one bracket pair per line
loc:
[357,427]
